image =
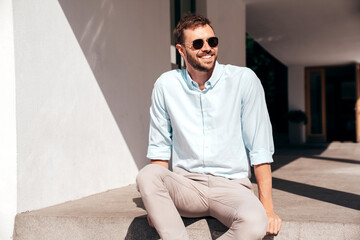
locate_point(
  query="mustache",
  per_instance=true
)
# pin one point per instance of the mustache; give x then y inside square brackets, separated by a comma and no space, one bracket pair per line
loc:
[210,52]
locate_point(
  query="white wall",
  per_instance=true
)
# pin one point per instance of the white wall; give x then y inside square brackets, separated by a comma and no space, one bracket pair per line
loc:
[8,196]
[84,74]
[296,100]
[229,21]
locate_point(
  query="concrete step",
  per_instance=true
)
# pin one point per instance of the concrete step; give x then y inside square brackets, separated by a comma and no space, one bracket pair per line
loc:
[119,214]
[115,214]
[317,196]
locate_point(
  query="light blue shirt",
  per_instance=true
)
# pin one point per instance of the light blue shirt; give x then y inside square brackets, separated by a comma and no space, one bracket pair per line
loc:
[221,130]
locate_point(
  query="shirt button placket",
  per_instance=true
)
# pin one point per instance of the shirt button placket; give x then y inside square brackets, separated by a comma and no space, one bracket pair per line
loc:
[203,122]
[205,129]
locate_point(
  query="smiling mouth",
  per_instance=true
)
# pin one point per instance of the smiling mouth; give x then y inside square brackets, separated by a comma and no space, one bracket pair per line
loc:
[207,56]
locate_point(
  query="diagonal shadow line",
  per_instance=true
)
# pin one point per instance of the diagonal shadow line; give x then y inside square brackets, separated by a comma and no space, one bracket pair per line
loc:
[340,198]
[98,28]
[335,159]
[286,155]
[279,164]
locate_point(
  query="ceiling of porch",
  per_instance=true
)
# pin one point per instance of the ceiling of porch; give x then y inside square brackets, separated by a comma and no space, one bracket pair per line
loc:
[306,32]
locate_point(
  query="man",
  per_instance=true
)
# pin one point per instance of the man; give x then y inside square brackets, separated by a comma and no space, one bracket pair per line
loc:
[207,118]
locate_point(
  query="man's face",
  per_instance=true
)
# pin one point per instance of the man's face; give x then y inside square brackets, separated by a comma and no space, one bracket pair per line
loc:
[199,59]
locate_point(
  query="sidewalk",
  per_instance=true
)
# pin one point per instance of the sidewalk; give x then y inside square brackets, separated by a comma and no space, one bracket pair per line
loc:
[316,193]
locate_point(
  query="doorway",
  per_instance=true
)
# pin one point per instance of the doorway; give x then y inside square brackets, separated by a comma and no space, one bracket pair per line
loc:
[330,103]
[340,103]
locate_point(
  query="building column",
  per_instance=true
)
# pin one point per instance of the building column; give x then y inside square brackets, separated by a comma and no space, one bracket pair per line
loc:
[296,100]
[357,107]
[229,21]
[8,165]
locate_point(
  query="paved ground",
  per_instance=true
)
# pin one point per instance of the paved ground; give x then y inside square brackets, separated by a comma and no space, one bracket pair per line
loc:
[316,192]
[318,184]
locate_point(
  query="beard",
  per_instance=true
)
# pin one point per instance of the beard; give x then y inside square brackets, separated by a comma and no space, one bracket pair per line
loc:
[197,65]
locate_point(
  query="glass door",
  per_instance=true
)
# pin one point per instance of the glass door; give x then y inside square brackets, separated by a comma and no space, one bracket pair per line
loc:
[315,104]
[340,87]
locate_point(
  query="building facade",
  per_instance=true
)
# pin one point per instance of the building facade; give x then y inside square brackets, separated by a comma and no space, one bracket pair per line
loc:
[76,81]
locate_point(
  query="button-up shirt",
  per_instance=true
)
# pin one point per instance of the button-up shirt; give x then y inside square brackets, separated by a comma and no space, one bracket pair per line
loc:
[220,130]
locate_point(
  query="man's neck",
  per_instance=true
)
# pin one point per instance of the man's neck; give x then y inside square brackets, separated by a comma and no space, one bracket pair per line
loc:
[200,77]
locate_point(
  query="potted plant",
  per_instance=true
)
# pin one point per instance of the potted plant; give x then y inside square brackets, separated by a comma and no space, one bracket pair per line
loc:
[297,120]
[297,116]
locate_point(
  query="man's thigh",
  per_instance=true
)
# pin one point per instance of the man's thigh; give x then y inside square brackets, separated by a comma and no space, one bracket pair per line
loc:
[189,196]
[189,193]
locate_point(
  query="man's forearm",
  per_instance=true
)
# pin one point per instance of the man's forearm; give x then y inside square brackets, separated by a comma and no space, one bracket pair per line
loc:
[163,163]
[264,182]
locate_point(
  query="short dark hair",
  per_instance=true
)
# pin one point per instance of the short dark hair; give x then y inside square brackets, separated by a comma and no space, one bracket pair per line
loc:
[189,21]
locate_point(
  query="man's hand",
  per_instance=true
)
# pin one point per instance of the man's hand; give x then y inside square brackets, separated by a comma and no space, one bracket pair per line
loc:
[274,223]
[264,181]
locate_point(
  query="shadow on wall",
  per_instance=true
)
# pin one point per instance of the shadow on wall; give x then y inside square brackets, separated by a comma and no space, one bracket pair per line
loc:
[119,49]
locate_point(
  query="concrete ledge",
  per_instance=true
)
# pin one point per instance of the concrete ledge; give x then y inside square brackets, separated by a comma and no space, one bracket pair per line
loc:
[119,214]
[316,193]
[86,228]
[115,214]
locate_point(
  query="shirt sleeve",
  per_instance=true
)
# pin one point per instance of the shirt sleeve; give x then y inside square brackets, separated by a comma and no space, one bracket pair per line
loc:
[256,126]
[160,132]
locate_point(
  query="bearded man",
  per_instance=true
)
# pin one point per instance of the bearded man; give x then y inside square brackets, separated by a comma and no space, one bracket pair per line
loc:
[212,120]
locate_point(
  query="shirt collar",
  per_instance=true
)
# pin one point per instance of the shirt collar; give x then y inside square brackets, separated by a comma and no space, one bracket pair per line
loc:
[215,77]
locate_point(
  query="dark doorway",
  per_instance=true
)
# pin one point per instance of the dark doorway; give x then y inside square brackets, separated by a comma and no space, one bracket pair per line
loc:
[273,76]
[340,82]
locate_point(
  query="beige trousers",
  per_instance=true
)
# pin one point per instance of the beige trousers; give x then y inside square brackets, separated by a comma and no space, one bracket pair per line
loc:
[169,195]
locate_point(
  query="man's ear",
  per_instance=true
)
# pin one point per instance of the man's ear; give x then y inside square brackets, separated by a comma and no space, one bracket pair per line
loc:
[181,49]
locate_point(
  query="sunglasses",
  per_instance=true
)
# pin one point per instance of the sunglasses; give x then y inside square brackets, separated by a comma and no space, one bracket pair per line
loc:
[199,43]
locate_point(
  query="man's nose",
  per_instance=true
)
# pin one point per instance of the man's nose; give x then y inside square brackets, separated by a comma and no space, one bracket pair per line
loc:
[206,47]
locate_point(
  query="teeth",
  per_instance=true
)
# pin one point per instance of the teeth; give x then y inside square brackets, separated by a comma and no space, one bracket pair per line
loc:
[207,56]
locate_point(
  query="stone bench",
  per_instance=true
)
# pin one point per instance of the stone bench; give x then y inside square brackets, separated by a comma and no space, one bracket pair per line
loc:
[317,196]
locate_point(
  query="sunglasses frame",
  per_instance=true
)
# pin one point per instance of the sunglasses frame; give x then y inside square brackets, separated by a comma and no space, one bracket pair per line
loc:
[195,45]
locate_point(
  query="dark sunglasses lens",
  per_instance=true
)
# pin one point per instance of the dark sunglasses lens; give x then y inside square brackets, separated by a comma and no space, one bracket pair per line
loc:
[198,43]
[213,42]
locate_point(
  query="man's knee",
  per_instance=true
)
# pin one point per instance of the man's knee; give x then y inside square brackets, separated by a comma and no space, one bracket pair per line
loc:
[255,220]
[150,176]
[259,225]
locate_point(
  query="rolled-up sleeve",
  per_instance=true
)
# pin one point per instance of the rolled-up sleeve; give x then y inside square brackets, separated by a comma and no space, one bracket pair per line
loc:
[256,126]
[160,133]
